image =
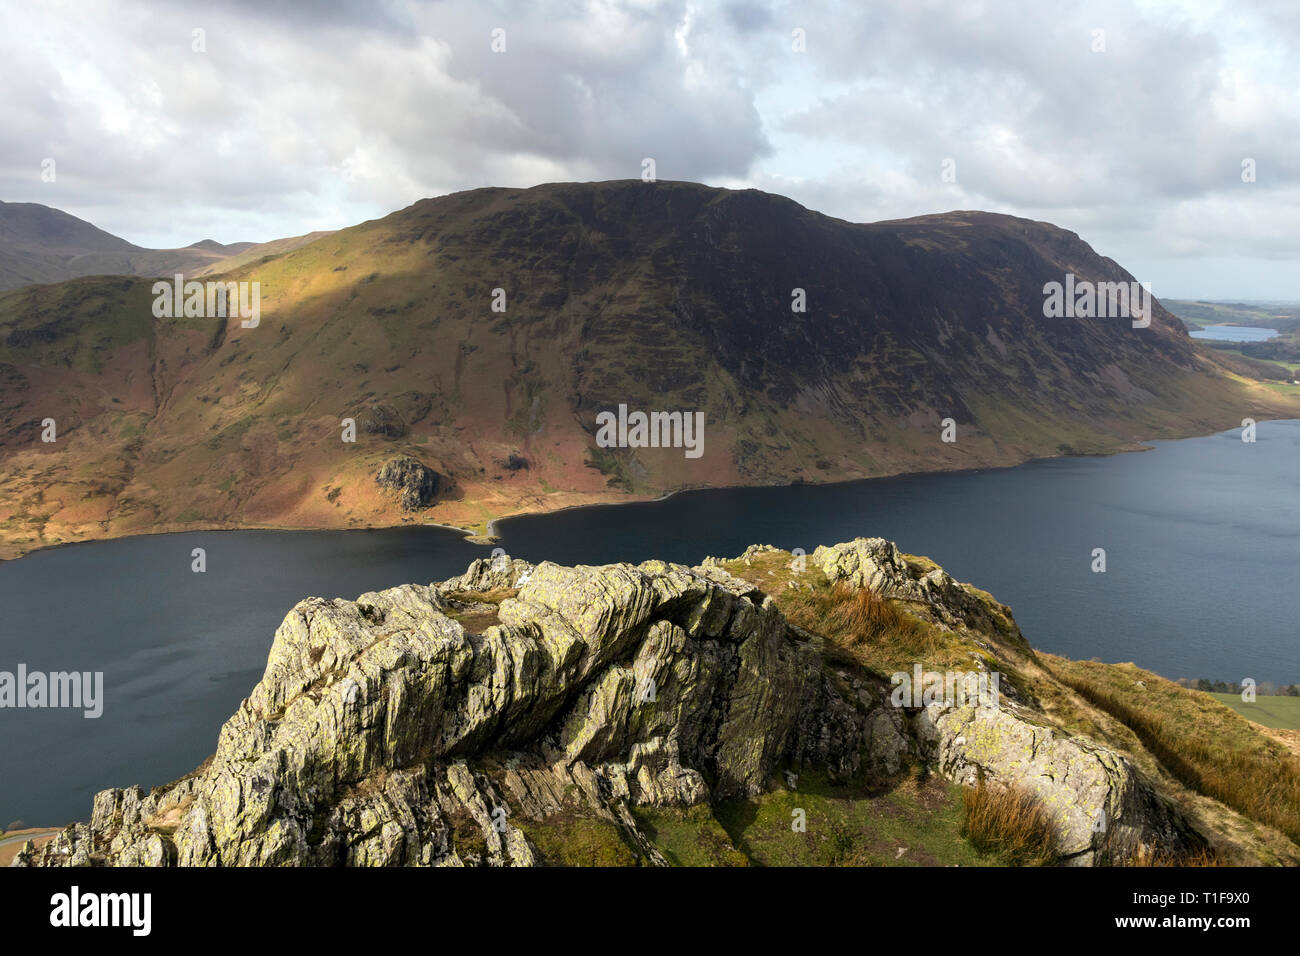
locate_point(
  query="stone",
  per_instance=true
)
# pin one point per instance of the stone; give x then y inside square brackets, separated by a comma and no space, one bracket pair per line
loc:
[1102,809]
[416,484]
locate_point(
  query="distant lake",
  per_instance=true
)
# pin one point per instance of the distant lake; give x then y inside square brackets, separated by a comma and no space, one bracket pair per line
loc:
[1202,540]
[1234,333]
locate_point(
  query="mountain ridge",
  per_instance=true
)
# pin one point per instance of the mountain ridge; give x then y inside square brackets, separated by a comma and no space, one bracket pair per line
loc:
[658,296]
[42,244]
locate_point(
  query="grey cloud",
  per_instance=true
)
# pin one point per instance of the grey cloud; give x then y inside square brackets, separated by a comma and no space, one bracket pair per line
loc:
[304,116]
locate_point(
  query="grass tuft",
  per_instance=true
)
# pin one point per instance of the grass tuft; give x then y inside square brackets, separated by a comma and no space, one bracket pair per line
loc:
[1011,822]
[1150,858]
[859,618]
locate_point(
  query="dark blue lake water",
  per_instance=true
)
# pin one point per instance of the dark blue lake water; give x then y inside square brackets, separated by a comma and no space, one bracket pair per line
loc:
[1202,541]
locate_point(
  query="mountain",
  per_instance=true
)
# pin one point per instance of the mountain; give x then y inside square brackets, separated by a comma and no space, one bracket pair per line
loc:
[669,297]
[41,244]
[746,711]
[211,245]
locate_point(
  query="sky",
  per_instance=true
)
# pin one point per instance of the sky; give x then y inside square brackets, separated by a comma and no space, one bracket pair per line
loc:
[1166,134]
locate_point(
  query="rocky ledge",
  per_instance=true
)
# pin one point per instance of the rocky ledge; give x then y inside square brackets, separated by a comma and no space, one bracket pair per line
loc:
[440,724]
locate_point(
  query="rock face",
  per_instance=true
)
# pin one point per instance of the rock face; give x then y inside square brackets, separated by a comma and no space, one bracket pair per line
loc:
[1101,809]
[383,732]
[383,420]
[416,484]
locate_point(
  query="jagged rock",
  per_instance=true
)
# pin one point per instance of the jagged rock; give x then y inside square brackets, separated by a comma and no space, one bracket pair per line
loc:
[384,733]
[489,574]
[366,707]
[416,484]
[872,563]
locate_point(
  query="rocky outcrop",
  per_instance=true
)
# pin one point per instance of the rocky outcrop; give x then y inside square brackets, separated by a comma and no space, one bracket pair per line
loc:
[384,732]
[383,420]
[489,574]
[1102,810]
[416,484]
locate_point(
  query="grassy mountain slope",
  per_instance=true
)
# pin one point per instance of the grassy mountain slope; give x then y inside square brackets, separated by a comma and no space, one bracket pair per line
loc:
[240,254]
[666,296]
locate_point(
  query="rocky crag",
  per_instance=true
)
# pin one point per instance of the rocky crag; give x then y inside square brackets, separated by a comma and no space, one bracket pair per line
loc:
[415,484]
[461,723]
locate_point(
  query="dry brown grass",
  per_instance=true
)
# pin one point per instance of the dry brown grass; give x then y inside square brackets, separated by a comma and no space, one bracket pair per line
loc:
[476,611]
[859,618]
[494,596]
[1198,858]
[169,820]
[1011,822]
[1261,785]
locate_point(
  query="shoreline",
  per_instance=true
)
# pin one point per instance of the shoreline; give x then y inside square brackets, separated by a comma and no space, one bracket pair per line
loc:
[13,840]
[492,534]
[492,524]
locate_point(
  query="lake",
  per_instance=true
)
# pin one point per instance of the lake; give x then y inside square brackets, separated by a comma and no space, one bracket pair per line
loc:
[1202,540]
[1234,333]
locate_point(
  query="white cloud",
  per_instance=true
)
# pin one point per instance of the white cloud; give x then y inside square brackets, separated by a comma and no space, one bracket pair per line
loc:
[323,115]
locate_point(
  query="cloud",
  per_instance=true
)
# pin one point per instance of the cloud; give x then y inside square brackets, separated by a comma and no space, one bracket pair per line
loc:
[297,117]
[288,120]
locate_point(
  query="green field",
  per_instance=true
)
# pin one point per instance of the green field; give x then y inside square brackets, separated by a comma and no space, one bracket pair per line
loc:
[1280,712]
